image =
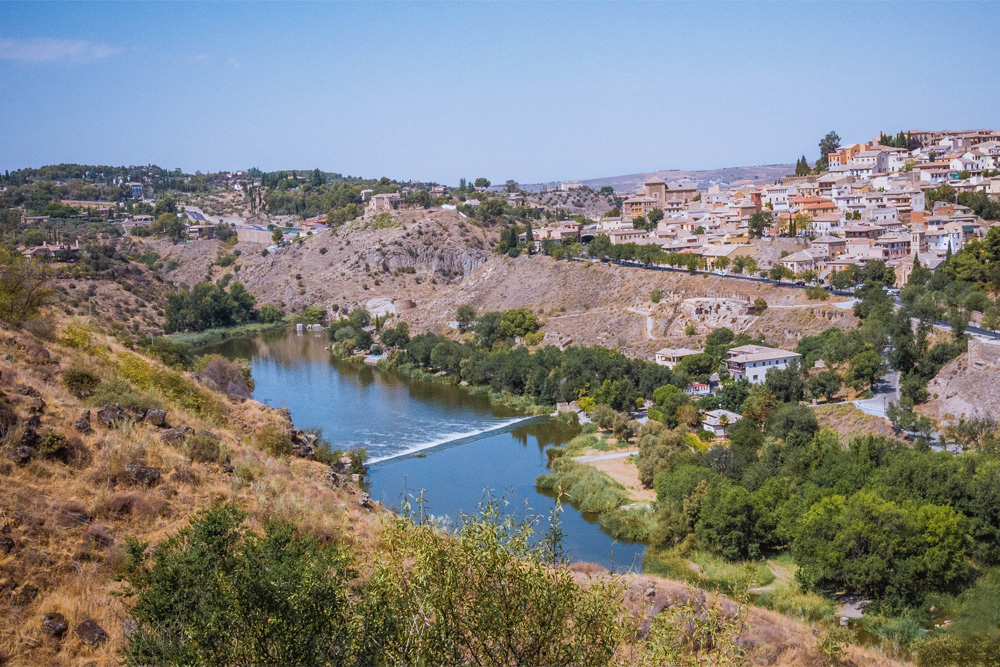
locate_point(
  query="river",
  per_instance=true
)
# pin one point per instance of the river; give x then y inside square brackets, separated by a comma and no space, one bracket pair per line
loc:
[438,438]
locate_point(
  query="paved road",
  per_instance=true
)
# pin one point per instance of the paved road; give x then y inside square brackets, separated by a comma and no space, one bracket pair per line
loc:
[602,457]
[886,391]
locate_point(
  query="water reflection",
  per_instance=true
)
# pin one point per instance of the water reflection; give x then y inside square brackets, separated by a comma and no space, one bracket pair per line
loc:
[429,436]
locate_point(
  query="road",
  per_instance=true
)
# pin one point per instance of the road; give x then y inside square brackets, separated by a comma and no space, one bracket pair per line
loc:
[886,391]
[602,457]
[977,331]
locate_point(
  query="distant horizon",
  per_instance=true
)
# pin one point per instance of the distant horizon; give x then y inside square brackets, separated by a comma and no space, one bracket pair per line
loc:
[534,92]
[306,170]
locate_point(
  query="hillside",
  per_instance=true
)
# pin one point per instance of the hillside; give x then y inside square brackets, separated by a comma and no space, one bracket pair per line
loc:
[68,505]
[433,262]
[962,390]
[78,479]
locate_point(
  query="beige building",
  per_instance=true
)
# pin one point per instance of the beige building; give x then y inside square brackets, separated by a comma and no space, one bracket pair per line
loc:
[383,203]
[670,357]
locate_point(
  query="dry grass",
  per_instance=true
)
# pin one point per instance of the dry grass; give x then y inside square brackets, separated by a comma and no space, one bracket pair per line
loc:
[848,421]
[70,521]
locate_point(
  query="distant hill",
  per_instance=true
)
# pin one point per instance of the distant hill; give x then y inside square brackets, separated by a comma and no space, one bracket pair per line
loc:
[766,173]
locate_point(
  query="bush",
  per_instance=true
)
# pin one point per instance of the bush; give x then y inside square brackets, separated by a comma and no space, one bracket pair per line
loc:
[205,583]
[656,296]
[585,487]
[225,260]
[534,338]
[204,448]
[628,524]
[274,440]
[265,252]
[817,293]
[52,445]
[172,354]
[271,314]
[80,382]
[124,394]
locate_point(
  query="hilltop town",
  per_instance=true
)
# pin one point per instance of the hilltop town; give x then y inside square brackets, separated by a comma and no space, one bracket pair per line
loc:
[711,332]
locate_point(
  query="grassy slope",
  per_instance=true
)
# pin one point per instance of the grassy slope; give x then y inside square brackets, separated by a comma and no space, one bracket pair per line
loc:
[57,565]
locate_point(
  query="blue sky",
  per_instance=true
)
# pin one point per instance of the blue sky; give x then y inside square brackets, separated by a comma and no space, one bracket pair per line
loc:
[437,91]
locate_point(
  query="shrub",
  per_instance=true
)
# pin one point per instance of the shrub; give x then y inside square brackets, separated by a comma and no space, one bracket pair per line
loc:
[322,251]
[172,354]
[205,583]
[265,252]
[627,524]
[270,314]
[534,338]
[274,440]
[76,338]
[817,293]
[204,448]
[80,382]
[52,445]
[124,394]
[655,296]
[225,260]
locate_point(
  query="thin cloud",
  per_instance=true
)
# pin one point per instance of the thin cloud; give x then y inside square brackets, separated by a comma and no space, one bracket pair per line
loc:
[48,49]
[199,58]
[232,62]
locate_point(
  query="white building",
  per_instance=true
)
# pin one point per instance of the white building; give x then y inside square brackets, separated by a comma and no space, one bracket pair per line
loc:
[778,196]
[753,362]
[719,421]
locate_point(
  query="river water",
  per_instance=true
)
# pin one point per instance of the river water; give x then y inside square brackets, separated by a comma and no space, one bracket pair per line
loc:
[435,438]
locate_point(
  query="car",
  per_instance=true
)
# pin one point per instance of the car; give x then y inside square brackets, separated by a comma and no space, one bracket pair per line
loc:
[892,291]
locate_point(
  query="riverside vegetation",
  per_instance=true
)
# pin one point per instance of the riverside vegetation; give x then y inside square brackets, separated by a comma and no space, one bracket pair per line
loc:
[900,525]
[141,536]
[782,489]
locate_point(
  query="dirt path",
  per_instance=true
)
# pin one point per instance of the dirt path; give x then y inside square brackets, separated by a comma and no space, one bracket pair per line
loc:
[650,322]
[618,467]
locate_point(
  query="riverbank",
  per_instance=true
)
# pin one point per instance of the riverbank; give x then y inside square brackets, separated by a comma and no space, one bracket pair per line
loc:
[390,363]
[222,334]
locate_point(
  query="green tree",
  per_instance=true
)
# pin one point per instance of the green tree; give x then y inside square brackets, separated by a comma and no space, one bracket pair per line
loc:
[466,316]
[277,236]
[728,524]
[217,593]
[482,183]
[871,546]
[866,368]
[599,246]
[828,144]
[760,222]
[24,287]
[825,383]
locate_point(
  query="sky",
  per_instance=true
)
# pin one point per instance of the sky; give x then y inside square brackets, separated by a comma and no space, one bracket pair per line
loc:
[535,92]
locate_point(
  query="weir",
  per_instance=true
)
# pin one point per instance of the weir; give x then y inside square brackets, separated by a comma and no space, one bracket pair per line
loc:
[453,439]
